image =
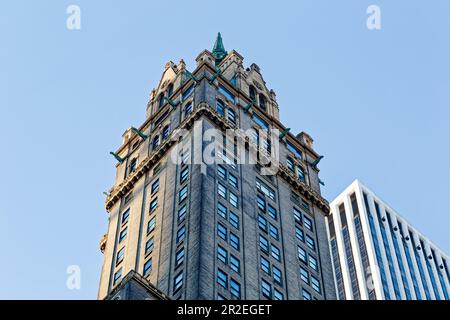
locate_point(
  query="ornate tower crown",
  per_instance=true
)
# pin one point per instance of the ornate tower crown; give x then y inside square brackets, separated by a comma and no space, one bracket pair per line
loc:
[219,51]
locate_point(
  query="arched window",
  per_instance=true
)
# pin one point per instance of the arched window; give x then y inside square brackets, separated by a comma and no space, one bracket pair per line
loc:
[262,101]
[252,93]
[161,100]
[170,90]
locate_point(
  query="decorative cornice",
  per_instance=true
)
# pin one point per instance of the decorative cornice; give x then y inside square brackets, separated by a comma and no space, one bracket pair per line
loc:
[203,108]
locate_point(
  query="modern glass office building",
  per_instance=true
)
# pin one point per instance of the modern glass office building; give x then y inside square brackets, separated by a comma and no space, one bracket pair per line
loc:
[377,254]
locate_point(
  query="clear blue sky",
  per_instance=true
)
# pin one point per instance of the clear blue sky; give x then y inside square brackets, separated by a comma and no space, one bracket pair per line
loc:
[376,103]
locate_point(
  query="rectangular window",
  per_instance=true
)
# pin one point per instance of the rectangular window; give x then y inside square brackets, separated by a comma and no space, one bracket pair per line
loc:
[265,189]
[234,220]
[235,264]
[265,265]
[165,132]
[151,225]
[147,267]
[181,234]
[184,174]
[272,212]
[235,289]
[149,245]
[125,216]
[315,284]
[302,254]
[263,244]
[188,109]
[294,150]
[313,263]
[222,279]
[232,116]
[222,210]
[273,231]
[232,180]
[120,256]
[186,93]
[307,223]
[275,252]
[220,107]
[304,275]
[155,186]
[178,282]
[290,164]
[262,223]
[297,215]
[234,241]
[299,234]
[222,254]
[277,275]
[257,119]
[266,289]
[226,93]
[182,213]
[261,202]
[222,231]
[123,234]
[154,204]
[221,172]
[234,200]
[117,276]
[310,242]
[222,190]
[179,257]
[306,295]
[277,295]
[182,194]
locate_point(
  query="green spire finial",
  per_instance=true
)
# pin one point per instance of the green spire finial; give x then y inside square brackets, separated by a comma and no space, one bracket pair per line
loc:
[219,50]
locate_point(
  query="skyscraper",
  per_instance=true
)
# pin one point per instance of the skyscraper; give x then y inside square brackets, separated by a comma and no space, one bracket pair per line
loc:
[214,198]
[377,254]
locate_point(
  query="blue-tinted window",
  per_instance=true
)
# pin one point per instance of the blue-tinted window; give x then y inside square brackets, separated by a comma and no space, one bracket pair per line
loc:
[266,289]
[120,256]
[117,276]
[275,252]
[125,216]
[234,241]
[222,255]
[182,213]
[123,234]
[262,223]
[179,257]
[234,220]
[151,225]
[147,267]
[181,234]
[277,275]
[272,212]
[294,150]
[273,231]
[263,244]
[149,245]
[235,289]
[221,172]
[184,174]
[178,282]
[222,210]
[183,194]
[235,264]
[155,186]
[226,93]
[220,106]
[186,93]
[222,231]
[154,204]
[222,278]
[265,265]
